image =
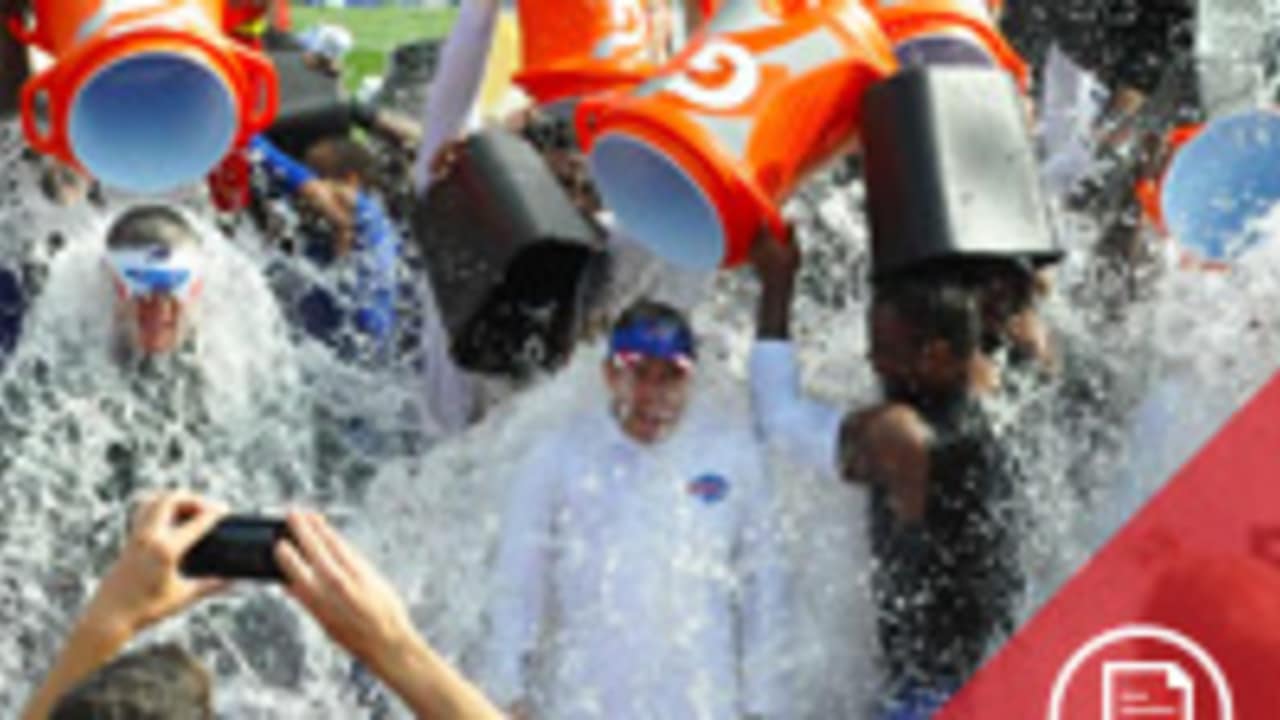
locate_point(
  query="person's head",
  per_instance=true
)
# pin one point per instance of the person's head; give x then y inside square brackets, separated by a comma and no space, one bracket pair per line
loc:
[341,159]
[154,258]
[1006,291]
[649,370]
[326,47]
[160,683]
[925,337]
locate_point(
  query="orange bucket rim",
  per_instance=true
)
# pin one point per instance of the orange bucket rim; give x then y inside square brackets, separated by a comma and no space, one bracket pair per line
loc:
[708,171]
[707,182]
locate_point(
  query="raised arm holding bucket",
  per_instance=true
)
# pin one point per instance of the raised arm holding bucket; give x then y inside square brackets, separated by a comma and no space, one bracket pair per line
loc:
[694,160]
[145,95]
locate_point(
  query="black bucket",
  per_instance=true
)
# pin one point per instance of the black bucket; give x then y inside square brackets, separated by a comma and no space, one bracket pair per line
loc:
[951,173]
[511,259]
[312,107]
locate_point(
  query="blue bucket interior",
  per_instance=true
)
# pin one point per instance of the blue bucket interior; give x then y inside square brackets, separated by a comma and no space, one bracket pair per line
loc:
[656,203]
[1226,178]
[152,122]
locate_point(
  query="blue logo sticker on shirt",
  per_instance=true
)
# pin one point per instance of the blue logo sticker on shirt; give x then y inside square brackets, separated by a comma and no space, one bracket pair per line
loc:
[709,488]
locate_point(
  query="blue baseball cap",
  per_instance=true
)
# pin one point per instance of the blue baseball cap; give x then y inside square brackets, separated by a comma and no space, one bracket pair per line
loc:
[662,339]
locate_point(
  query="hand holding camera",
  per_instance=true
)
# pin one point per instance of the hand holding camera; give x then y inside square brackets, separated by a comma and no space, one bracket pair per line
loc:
[145,585]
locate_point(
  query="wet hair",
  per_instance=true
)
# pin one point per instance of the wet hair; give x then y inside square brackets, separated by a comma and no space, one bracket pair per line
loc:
[148,226]
[935,310]
[159,683]
[653,312]
[337,157]
[1001,287]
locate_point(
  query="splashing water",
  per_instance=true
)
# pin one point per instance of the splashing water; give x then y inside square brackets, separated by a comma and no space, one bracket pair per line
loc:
[243,413]
[81,436]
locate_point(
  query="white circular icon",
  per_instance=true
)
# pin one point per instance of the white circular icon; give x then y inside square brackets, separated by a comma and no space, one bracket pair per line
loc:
[1117,695]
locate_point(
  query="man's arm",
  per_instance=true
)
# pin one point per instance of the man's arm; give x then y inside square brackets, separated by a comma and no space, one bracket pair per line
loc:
[452,96]
[402,130]
[300,181]
[522,572]
[377,251]
[805,429]
[889,445]
[142,588]
[776,263]
[361,612]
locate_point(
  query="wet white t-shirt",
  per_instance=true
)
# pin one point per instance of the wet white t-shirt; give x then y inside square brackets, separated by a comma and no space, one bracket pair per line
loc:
[638,582]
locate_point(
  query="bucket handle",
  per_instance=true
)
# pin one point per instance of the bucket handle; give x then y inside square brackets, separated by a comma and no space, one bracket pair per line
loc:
[53,140]
[264,90]
[16,24]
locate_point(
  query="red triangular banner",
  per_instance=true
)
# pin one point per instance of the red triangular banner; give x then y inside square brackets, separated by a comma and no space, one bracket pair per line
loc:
[1177,618]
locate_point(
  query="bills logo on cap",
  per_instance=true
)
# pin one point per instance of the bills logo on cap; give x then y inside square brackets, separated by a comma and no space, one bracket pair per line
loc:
[709,488]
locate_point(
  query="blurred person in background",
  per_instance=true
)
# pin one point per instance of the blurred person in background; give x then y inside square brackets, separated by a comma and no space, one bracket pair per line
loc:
[359,248]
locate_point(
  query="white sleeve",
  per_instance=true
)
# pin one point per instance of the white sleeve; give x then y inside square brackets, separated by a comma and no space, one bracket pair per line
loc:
[805,429]
[765,607]
[455,87]
[449,393]
[522,575]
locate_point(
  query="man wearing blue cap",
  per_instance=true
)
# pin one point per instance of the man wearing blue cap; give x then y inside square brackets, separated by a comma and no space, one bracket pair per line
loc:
[635,575]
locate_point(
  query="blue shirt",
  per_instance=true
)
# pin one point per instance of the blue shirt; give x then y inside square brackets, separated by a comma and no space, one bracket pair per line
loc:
[366,302]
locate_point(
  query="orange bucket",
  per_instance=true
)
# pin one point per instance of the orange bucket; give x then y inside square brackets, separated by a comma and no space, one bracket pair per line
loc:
[239,13]
[948,32]
[578,47]
[145,95]
[691,161]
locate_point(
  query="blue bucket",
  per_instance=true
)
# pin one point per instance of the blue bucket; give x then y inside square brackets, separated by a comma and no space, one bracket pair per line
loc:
[1221,183]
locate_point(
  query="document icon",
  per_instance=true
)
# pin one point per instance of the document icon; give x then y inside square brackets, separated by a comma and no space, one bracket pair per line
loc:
[1147,691]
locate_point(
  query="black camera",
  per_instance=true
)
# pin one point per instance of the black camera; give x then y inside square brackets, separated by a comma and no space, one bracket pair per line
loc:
[238,547]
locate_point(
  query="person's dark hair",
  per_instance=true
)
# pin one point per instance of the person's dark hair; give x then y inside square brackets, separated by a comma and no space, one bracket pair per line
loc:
[935,310]
[337,157]
[653,312]
[1001,287]
[148,226]
[159,683]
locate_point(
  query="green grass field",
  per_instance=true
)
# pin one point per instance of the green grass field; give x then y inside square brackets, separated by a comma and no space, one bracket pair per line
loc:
[377,32]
